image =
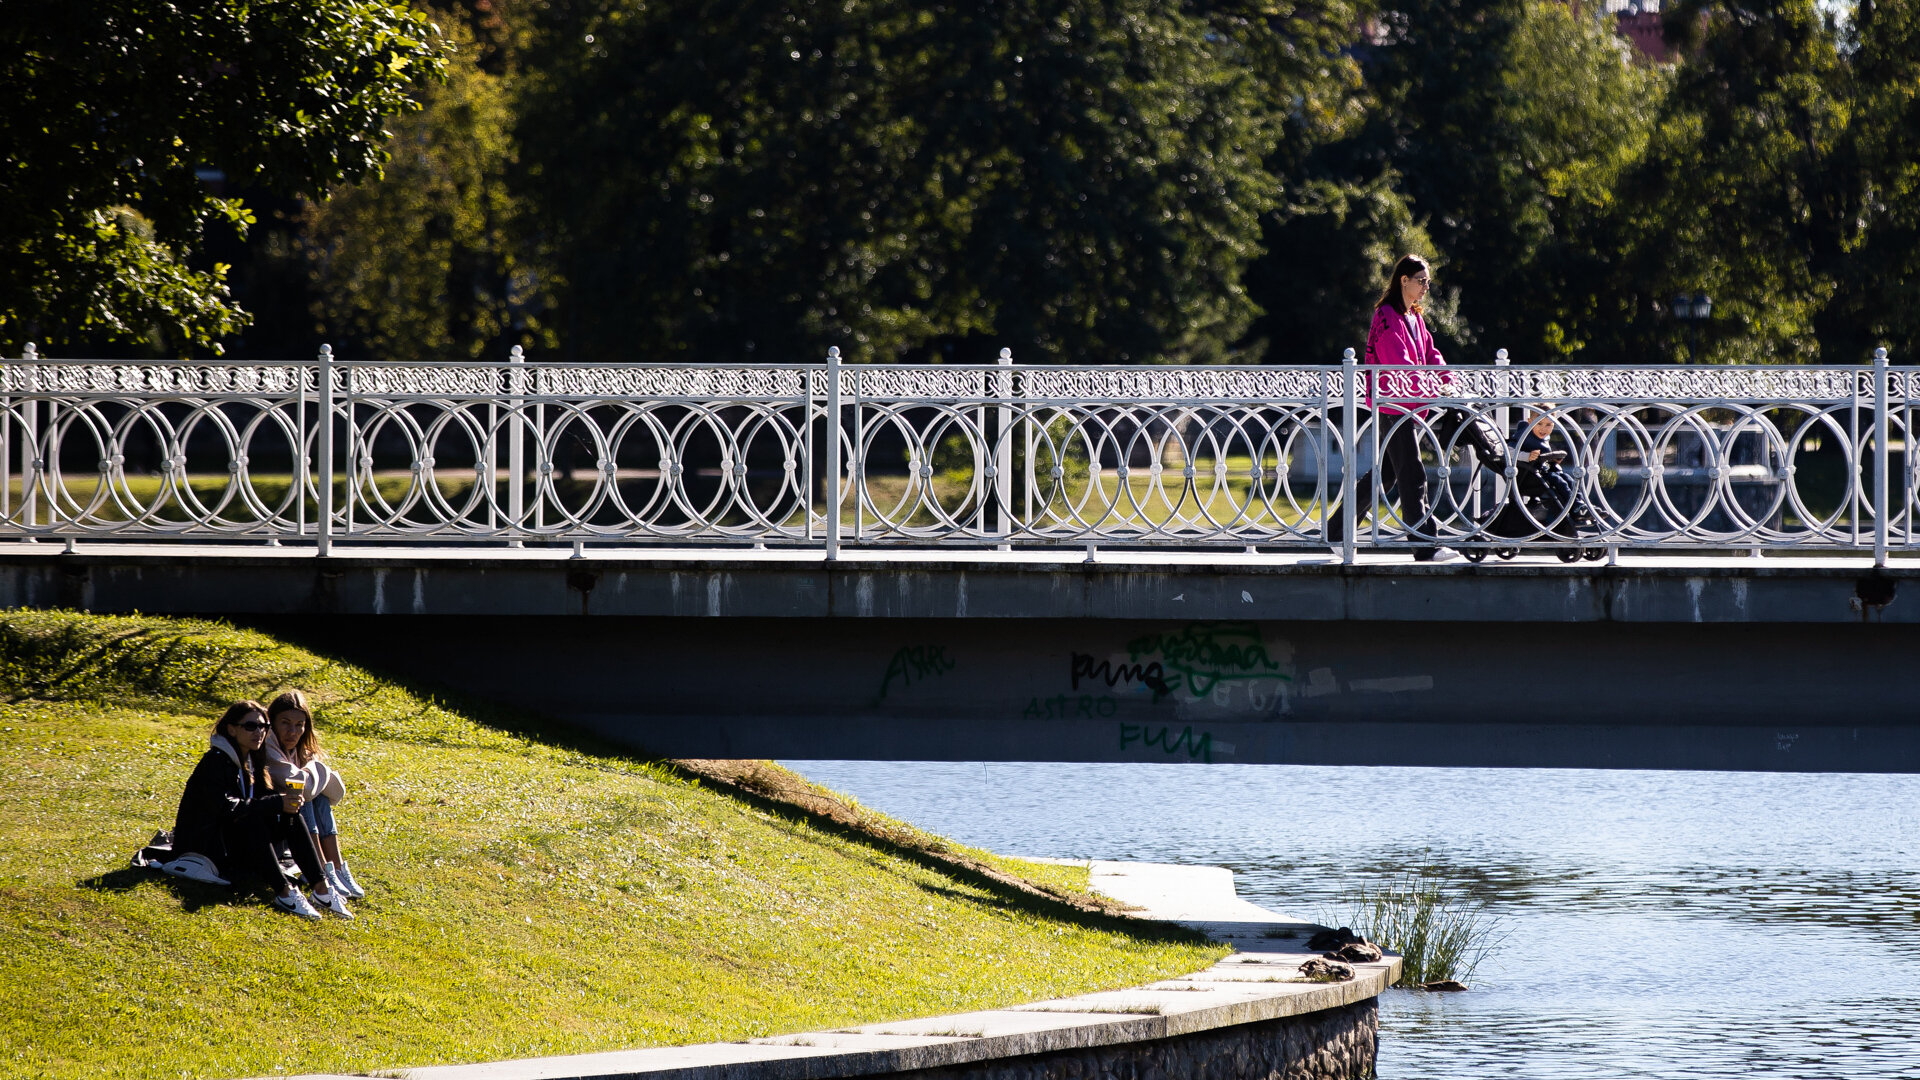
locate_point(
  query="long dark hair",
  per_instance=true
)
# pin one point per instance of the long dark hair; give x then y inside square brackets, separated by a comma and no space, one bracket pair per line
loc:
[1408,266]
[235,713]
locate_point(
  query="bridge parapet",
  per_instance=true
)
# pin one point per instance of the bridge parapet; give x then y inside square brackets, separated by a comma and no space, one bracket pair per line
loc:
[837,455]
[1671,662]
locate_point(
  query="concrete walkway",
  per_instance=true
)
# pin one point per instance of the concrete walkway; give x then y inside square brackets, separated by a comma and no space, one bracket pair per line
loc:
[1258,981]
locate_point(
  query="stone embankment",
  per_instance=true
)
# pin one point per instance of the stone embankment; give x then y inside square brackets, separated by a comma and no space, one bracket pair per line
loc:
[1252,1016]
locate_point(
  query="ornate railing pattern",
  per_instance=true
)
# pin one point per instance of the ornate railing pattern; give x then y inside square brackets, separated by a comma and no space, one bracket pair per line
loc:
[834,454]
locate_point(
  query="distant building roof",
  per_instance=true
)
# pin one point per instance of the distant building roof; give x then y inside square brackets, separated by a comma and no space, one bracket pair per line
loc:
[1639,22]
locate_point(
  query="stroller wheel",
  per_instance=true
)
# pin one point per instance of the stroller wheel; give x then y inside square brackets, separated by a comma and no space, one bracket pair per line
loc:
[1569,555]
[1506,553]
[1594,554]
[1475,554]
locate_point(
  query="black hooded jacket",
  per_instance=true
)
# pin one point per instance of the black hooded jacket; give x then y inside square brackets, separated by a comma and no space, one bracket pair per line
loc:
[221,795]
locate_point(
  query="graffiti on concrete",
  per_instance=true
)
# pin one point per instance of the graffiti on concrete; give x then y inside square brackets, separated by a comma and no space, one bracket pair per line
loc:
[915,663]
[1147,737]
[1070,707]
[1207,654]
[1115,674]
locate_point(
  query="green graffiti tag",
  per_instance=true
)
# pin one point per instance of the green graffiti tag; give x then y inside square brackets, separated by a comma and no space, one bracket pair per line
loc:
[1197,746]
[1070,707]
[915,663]
[1206,654]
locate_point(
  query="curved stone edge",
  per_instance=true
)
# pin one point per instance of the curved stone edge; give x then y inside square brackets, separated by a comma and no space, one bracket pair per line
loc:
[1255,985]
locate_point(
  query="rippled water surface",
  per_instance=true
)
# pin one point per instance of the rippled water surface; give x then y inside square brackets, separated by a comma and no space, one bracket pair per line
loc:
[1659,924]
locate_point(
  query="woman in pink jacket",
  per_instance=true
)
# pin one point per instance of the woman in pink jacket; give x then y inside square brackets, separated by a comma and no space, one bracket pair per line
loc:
[1399,340]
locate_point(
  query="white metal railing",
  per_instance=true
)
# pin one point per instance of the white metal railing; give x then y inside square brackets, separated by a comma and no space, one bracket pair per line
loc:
[1001,455]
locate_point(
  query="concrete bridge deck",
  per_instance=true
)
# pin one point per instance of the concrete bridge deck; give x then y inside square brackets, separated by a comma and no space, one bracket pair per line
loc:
[1791,663]
[921,583]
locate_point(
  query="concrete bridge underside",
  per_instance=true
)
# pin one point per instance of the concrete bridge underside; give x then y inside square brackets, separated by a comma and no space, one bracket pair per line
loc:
[1779,664]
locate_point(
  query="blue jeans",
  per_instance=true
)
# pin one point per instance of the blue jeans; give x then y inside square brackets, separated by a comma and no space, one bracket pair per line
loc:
[319,816]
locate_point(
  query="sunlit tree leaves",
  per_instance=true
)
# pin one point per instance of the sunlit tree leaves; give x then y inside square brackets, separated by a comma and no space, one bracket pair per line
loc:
[118,111]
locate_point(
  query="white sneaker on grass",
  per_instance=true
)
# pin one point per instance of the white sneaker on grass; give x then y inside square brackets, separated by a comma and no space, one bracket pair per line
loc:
[333,902]
[295,903]
[343,880]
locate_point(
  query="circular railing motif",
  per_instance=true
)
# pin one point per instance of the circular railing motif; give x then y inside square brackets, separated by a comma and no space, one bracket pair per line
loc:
[1640,456]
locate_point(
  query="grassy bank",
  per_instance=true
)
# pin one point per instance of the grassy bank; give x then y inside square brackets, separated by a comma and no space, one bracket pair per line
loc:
[529,895]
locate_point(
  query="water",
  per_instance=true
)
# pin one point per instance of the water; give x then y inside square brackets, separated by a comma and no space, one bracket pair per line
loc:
[1659,924]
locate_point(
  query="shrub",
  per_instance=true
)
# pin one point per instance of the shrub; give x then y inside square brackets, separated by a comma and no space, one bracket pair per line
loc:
[1438,935]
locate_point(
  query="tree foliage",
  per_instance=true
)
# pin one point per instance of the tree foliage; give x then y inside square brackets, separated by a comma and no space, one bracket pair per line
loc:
[1873,306]
[1751,184]
[431,261]
[1488,135]
[115,110]
[1075,179]
[1112,181]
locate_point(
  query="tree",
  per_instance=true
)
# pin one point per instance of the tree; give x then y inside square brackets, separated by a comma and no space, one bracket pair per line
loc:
[1580,116]
[1873,306]
[117,108]
[1751,188]
[430,261]
[1487,135]
[757,179]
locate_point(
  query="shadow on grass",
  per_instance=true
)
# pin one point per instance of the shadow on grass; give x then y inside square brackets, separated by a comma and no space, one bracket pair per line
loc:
[77,660]
[193,895]
[1002,894]
[190,666]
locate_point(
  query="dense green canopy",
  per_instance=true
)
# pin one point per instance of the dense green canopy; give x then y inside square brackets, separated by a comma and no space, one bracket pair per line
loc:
[1084,181]
[117,111]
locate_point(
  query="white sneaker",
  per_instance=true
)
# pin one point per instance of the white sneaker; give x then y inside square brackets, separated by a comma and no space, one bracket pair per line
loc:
[295,903]
[1439,554]
[343,879]
[333,902]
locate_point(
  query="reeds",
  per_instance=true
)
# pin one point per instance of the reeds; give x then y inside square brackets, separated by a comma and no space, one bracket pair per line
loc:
[1438,935]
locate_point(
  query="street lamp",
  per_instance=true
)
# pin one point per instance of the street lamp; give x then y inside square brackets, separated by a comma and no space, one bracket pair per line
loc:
[1692,309]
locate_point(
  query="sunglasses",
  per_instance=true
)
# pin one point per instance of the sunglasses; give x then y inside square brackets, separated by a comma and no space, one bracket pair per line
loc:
[252,725]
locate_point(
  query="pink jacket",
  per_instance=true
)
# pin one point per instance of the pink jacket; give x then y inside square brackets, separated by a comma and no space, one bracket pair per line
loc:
[1391,344]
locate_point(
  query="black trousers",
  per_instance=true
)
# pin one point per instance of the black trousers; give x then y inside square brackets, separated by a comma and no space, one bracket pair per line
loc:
[253,846]
[1402,468]
[1400,471]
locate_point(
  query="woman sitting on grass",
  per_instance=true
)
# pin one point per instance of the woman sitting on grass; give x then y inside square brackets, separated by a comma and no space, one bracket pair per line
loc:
[228,816]
[294,750]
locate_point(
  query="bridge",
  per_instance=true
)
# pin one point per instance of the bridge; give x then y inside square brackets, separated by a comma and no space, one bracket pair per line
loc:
[1019,563]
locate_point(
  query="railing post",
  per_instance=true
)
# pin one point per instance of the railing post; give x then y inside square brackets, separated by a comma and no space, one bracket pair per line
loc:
[324,541]
[1503,417]
[6,446]
[1881,430]
[30,450]
[517,442]
[1350,519]
[1003,452]
[833,453]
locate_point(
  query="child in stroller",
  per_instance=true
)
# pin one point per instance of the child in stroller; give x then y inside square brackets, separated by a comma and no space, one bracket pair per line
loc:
[1545,500]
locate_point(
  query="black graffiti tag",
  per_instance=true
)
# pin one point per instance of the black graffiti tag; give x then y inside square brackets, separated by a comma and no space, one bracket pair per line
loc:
[1150,675]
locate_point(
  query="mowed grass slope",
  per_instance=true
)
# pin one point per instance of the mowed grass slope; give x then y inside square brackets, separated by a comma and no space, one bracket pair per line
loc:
[528,896]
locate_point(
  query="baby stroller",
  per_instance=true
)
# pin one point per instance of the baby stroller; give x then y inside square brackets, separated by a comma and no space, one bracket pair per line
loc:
[1544,502]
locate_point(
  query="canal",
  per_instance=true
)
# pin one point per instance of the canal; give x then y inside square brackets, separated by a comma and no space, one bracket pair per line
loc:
[1656,924]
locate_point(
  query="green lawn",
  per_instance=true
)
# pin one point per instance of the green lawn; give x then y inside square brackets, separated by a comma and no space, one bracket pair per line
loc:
[529,895]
